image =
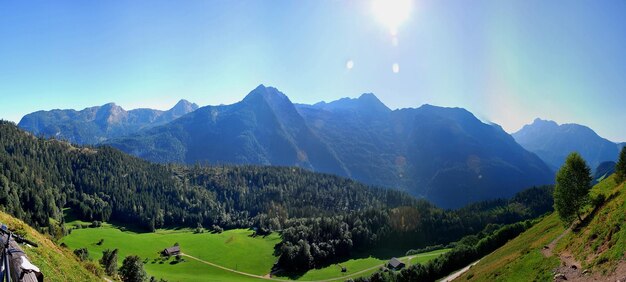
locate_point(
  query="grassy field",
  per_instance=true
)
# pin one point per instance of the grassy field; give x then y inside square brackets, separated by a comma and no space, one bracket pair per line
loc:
[233,249]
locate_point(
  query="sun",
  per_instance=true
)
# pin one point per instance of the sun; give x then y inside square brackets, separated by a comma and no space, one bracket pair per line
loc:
[391,13]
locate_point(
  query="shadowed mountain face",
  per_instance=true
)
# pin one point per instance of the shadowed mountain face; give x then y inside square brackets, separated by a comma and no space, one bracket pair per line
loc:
[603,171]
[96,124]
[263,129]
[443,154]
[553,142]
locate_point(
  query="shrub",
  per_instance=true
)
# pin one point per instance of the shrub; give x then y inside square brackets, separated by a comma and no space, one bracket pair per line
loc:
[94,268]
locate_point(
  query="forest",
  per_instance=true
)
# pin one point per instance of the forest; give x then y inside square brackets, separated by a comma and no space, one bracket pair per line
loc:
[320,217]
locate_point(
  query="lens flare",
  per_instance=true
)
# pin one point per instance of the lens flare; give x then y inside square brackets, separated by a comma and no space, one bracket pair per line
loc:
[349,64]
[391,13]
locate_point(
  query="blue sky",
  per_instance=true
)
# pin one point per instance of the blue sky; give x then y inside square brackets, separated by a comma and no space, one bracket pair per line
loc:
[506,61]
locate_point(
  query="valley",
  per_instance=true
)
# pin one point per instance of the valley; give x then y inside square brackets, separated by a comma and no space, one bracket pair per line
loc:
[312,141]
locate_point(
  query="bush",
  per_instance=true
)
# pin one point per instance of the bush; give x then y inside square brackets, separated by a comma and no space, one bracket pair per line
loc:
[94,268]
[217,229]
[82,254]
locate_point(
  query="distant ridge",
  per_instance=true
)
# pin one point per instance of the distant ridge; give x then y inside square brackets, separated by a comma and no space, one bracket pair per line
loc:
[97,124]
[553,142]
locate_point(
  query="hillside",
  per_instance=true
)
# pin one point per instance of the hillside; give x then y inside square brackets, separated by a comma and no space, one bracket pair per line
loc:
[553,142]
[446,155]
[56,263]
[596,248]
[96,124]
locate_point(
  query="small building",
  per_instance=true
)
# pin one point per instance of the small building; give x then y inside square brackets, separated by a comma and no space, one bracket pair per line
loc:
[395,264]
[171,251]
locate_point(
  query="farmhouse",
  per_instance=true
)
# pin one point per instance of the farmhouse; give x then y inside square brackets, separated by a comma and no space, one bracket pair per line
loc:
[395,264]
[171,251]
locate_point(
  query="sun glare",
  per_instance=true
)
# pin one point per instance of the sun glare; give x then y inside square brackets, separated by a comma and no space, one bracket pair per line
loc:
[391,13]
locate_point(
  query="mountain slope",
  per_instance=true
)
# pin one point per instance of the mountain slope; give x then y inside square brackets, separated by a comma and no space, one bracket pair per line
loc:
[460,159]
[553,142]
[56,263]
[264,128]
[603,171]
[444,154]
[96,124]
[597,245]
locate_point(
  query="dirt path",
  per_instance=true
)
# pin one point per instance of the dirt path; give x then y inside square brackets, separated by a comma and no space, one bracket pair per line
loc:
[456,275]
[548,249]
[268,276]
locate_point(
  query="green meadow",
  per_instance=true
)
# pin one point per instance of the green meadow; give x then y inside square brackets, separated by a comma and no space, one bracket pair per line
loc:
[233,249]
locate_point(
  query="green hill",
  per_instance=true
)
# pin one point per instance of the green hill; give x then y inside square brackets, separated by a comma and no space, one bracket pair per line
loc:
[56,263]
[595,249]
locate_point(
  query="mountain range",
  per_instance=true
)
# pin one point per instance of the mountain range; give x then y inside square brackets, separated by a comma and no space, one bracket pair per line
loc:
[444,154]
[553,142]
[97,124]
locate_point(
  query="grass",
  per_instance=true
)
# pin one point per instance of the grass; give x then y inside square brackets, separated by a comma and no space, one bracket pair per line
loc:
[520,259]
[56,263]
[599,243]
[234,249]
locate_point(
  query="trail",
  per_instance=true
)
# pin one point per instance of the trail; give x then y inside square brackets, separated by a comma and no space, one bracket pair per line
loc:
[569,267]
[547,250]
[458,273]
[268,277]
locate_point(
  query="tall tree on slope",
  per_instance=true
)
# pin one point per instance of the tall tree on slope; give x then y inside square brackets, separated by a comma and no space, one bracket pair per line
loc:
[571,193]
